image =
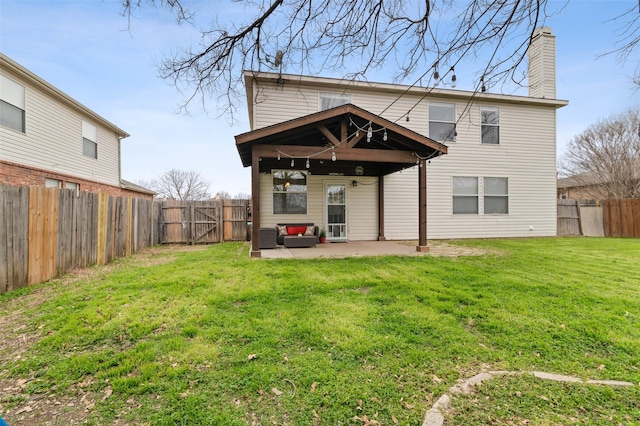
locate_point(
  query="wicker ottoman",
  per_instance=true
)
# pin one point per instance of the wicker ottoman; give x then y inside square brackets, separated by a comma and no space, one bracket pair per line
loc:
[267,238]
[299,241]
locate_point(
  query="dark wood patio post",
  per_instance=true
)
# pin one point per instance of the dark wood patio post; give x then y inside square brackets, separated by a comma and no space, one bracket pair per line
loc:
[422,208]
[381,236]
[255,197]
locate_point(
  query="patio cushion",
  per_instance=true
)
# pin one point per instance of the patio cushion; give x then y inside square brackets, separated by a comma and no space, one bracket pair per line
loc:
[295,230]
[310,230]
[282,229]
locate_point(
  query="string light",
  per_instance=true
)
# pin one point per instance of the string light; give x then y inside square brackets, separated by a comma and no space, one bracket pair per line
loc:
[333,155]
[278,155]
[453,78]
[307,164]
[369,133]
[293,163]
[407,117]
[436,75]
[384,137]
[483,88]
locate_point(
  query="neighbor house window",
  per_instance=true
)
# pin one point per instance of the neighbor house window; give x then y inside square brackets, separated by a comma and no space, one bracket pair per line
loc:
[72,185]
[12,104]
[289,192]
[89,140]
[496,195]
[442,122]
[490,118]
[465,195]
[332,100]
[52,183]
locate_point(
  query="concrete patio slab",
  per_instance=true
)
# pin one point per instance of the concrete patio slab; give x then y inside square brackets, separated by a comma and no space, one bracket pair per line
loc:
[369,248]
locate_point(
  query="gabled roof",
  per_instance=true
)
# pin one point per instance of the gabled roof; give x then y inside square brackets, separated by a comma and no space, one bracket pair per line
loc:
[125,184]
[342,131]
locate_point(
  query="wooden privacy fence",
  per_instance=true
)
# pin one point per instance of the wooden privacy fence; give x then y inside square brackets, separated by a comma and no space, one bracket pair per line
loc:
[622,218]
[612,218]
[202,222]
[45,232]
[568,218]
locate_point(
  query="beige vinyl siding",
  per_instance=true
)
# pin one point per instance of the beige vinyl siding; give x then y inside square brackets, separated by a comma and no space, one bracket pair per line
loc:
[53,141]
[362,205]
[525,156]
[362,209]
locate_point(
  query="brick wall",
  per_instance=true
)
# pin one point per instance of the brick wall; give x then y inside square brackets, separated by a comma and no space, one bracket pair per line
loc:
[15,174]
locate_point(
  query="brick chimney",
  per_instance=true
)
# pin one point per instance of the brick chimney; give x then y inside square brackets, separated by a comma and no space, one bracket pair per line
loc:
[542,64]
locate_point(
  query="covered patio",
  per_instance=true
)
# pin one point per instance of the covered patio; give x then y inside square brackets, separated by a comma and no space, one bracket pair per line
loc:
[342,141]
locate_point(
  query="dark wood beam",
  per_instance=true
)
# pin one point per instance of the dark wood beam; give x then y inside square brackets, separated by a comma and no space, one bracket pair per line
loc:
[344,130]
[422,208]
[327,134]
[255,198]
[355,139]
[381,236]
[342,154]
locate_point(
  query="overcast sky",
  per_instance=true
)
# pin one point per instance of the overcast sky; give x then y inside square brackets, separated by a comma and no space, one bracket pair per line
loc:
[84,49]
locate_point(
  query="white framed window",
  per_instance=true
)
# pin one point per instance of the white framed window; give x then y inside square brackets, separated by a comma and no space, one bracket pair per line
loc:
[332,100]
[52,183]
[496,195]
[72,185]
[442,122]
[490,125]
[12,104]
[465,195]
[89,140]
[289,192]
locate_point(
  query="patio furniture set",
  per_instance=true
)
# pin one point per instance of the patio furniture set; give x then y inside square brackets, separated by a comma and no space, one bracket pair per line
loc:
[289,235]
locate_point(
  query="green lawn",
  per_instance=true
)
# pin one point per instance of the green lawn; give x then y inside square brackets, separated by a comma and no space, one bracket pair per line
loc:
[213,337]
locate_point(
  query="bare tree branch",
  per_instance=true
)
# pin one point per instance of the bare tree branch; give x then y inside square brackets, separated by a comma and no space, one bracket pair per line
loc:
[605,158]
[180,185]
[352,37]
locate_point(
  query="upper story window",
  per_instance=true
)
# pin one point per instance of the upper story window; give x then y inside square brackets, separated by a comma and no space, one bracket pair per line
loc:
[465,195]
[89,140]
[332,100]
[289,192]
[442,122]
[12,104]
[490,118]
[496,195]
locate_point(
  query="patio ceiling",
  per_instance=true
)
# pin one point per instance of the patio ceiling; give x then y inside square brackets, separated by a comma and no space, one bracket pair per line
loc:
[340,131]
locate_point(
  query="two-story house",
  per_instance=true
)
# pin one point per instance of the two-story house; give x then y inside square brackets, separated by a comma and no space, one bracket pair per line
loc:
[367,161]
[47,138]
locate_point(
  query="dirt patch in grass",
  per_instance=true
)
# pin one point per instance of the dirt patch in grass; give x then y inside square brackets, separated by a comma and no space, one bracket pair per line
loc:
[19,331]
[444,249]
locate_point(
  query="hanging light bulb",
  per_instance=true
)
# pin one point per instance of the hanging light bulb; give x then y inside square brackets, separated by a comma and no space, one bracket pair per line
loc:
[483,88]
[369,133]
[407,117]
[293,163]
[278,155]
[453,78]
[384,136]
[333,155]
[307,164]
[436,74]
[357,133]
